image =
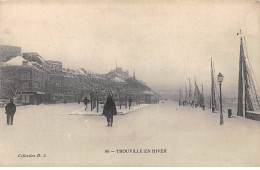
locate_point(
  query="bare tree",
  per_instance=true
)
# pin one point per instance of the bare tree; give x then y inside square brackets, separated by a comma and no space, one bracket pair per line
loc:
[10,82]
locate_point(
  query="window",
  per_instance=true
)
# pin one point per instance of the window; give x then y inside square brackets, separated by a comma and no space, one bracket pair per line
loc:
[25,75]
[25,99]
[36,85]
[25,85]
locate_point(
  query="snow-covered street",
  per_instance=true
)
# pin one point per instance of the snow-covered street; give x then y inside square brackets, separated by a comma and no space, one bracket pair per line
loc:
[191,137]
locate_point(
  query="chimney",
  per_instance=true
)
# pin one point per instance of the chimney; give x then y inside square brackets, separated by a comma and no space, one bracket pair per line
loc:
[25,63]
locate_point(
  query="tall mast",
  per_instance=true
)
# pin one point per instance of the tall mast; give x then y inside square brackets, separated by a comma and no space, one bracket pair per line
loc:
[195,91]
[190,95]
[213,99]
[186,93]
[240,81]
[202,96]
[246,84]
[247,77]
[180,97]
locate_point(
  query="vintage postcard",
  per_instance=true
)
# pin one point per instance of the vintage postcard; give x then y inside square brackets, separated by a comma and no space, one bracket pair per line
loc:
[129,83]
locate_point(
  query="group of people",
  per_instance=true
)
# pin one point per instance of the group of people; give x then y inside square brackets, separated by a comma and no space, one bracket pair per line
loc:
[109,110]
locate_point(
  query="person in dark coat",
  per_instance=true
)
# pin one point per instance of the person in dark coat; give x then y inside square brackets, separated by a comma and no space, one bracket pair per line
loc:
[10,110]
[109,110]
[85,101]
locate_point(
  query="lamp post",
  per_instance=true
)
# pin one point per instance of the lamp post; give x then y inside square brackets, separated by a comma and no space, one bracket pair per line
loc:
[220,80]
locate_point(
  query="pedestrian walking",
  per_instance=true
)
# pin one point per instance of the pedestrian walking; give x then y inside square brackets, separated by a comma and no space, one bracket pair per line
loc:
[10,110]
[109,110]
[85,101]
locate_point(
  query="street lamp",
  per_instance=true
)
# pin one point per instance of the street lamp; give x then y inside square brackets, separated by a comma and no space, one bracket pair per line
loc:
[220,80]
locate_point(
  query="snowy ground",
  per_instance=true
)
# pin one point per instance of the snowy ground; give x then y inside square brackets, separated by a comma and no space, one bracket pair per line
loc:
[191,136]
[124,110]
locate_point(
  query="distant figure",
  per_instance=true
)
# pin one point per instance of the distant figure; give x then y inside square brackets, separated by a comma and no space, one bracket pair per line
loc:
[109,110]
[192,103]
[85,101]
[130,102]
[10,110]
[213,109]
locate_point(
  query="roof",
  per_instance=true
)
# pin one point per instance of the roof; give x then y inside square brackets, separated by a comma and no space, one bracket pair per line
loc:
[112,74]
[9,46]
[17,61]
[33,56]
[97,76]
[148,92]
[81,72]
[118,80]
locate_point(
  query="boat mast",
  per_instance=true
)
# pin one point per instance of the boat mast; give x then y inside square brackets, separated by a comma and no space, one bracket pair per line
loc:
[186,94]
[213,99]
[195,91]
[248,85]
[190,95]
[179,96]
[240,81]
[244,82]
[202,97]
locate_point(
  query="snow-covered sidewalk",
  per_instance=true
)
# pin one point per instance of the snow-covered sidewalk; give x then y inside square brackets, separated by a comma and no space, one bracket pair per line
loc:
[94,112]
[191,136]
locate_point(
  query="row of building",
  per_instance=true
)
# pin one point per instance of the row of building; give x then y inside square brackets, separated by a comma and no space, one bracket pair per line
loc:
[30,79]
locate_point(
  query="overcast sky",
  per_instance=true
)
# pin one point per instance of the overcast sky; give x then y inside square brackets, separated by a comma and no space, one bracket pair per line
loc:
[165,42]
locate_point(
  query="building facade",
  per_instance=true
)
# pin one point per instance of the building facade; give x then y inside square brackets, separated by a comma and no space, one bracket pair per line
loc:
[71,86]
[34,81]
[26,83]
[56,82]
[7,52]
